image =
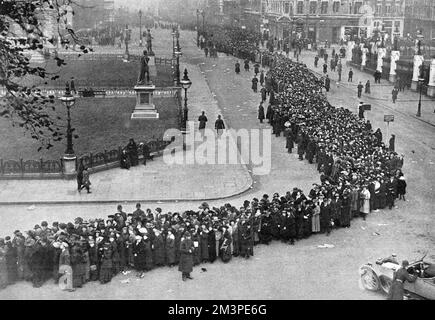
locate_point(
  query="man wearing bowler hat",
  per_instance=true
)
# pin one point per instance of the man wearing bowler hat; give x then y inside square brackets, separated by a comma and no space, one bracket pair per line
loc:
[186,256]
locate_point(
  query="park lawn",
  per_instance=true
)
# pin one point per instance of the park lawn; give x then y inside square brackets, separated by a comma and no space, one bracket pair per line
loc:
[101,73]
[101,123]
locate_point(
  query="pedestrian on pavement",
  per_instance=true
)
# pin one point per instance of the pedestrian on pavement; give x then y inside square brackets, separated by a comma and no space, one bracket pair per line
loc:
[86,181]
[80,175]
[339,70]
[325,68]
[361,110]
[327,83]
[391,145]
[254,84]
[146,153]
[378,76]
[262,77]
[206,51]
[367,89]
[219,125]
[394,94]
[256,69]
[399,278]
[316,61]
[350,75]
[237,67]
[186,256]
[246,65]
[202,122]
[261,112]
[360,88]
[401,188]
[263,92]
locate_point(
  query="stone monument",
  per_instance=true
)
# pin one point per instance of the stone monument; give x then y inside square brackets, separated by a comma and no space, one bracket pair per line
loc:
[431,84]
[145,108]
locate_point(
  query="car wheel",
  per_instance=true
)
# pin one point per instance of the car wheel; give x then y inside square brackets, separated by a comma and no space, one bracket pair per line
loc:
[385,283]
[369,279]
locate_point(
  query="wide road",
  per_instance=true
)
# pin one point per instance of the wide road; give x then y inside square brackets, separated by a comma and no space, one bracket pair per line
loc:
[277,271]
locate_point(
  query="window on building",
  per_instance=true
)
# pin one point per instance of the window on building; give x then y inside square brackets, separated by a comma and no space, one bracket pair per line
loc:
[324,7]
[287,7]
[300,8]
[356,7]
[336,6]
[387,9]
[313,7]
[378,9]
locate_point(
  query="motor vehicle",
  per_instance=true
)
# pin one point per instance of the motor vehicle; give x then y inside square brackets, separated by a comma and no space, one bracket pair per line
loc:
[378,276]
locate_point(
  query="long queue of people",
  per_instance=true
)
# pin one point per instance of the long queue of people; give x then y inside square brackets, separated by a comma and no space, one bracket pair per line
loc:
[358,174]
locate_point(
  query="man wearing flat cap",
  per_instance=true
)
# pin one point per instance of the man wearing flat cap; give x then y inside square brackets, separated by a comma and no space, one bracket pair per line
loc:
[399,278]
[186,256]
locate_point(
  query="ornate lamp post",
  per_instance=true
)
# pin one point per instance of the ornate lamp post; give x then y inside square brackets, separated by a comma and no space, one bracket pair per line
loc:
[420,38]
[127,39]
[185,84]
[69,159]
[173,43]
[203,22]
[140,28]
[177,67]
[197,27]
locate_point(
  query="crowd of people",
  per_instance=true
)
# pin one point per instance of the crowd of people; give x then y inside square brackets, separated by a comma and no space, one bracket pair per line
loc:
[358,174]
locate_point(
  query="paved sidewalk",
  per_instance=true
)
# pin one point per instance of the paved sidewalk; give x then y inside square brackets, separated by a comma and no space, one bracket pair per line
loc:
[157,181]
[406,103]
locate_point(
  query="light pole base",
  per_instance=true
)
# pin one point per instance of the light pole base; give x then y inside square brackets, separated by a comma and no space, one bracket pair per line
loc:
[69,165]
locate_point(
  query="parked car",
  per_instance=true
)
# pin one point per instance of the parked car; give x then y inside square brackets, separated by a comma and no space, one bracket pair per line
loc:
[379,276]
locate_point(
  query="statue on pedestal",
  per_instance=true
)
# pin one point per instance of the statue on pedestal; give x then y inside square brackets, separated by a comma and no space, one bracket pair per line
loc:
[144,69]
[148,39]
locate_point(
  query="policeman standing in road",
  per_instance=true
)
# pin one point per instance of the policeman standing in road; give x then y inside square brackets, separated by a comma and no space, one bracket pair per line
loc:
[399,278]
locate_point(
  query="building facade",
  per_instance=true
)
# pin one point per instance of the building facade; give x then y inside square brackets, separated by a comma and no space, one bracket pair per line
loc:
[420,17]
[331,20]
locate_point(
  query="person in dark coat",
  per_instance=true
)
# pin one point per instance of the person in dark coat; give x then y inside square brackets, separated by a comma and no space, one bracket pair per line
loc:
[93,261]
[132,153]
[391,191]
[225,246]
[146,153]
[256,69]
[246,65]
[325,217]
[11,261]
[159,249]
[149,262]
[262,78]
[3,265]
[170,248]
[125,160]
[212,254]
[203,241]
[401,188]
[350,78]
[106,266]
[261,112]
[400,276]
[325,68]
[186,256]
[76,261]
[367,87]
[269,113]
[345,210]
[391,145]
[360,88]
[254,84]
[139,253]
[196,240]
[80,175]
[263,92]
[237,67]
[327,83]
[288,134]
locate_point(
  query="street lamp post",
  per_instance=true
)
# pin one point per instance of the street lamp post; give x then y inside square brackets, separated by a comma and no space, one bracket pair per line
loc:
[69,159]
[173,43]
[185,84]
[203,22]
[197,27]
[177,67]
[420,82]
[140,28]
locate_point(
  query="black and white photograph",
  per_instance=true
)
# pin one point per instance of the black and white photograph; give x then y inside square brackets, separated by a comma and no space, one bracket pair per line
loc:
[236,150]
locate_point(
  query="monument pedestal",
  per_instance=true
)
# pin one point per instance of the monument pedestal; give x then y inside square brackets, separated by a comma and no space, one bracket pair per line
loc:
[414,85]
[69,165]
[145,108]
[431,91]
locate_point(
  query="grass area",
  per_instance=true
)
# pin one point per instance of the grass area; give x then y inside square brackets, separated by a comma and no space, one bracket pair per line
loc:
[100,123]
[102,73]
